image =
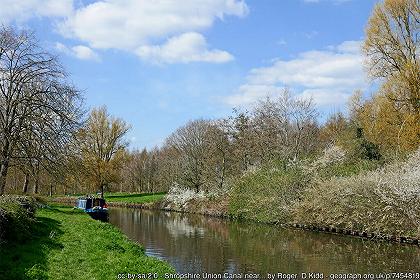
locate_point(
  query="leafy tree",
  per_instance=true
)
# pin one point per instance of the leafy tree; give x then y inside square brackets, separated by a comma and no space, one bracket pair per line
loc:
[102,148]
[391,119]
[392,47]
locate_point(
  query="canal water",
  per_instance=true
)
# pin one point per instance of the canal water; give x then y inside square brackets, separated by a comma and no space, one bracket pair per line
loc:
[196,244]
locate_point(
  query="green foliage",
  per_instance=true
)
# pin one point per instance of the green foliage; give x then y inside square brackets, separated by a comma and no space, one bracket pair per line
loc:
[68,244]
[28,259]
[347,168]
[16,216]
[267,194]
[367,149]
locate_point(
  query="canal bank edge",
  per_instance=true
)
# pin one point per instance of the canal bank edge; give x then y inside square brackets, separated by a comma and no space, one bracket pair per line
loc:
[66,243]
[219,210]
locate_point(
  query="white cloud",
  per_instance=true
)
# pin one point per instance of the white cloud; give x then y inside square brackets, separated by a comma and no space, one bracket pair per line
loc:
[85,53]
[188,47]
[348,46]
[79,51]
[147,28]
[126,24]
[326,96]
[328,76]
[13,10]
[143,26]
[248,94]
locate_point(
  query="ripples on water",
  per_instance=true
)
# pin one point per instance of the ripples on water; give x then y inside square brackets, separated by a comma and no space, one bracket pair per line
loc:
[196,244]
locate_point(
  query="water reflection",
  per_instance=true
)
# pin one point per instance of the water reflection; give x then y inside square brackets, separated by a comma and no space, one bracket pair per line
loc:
[196,244]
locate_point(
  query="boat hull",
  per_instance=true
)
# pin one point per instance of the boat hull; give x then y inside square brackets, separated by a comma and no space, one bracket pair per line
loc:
[99,215]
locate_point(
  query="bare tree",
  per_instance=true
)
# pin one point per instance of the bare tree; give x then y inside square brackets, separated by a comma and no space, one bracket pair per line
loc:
[190,143]
[284,127]
[33,91]
[241,135]
[219,153]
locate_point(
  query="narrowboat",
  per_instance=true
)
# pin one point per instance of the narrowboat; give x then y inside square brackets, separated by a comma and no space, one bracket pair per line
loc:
[95,207]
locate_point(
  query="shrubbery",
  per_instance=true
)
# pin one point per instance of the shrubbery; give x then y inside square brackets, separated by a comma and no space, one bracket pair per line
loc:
[386,200]
[179,196]
[269,194]
[266,194]
[16,216]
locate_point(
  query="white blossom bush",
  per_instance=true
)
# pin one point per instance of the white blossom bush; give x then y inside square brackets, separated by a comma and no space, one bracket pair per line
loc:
[331,155]
[386,200]
[180,196]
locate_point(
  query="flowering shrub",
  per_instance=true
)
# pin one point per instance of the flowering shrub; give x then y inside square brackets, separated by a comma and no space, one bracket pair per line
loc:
[385,200]
[180,195]
[331,155]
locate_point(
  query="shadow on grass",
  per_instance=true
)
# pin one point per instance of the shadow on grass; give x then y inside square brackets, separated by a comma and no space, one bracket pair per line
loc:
[28,260]
[133,195]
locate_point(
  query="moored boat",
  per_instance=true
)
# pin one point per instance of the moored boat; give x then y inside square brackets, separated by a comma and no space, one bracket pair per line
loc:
[95,207]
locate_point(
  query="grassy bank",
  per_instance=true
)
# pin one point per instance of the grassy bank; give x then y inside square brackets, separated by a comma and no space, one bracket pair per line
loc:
[385,200]
[68,244]
[266,195]
[272,192]
[118,198]
[332,191]
[361,196]
[134,197]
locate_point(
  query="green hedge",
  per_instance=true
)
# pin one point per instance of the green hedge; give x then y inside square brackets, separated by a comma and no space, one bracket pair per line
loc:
[16,216]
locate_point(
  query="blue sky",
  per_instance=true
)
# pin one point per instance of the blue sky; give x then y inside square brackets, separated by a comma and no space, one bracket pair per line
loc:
[158,64]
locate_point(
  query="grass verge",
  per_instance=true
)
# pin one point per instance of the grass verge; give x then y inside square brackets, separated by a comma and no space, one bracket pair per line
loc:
[68,244]
[134,198]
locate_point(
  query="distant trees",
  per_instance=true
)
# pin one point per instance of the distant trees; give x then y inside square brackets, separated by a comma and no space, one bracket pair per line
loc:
[39,109]
[204,155]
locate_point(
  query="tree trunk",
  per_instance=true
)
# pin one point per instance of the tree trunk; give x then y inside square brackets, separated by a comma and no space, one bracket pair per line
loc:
[4,165]
[3,175]
[36,175]
[36,184]
[102,191]
[25,183]
[51,189]
[222,176]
